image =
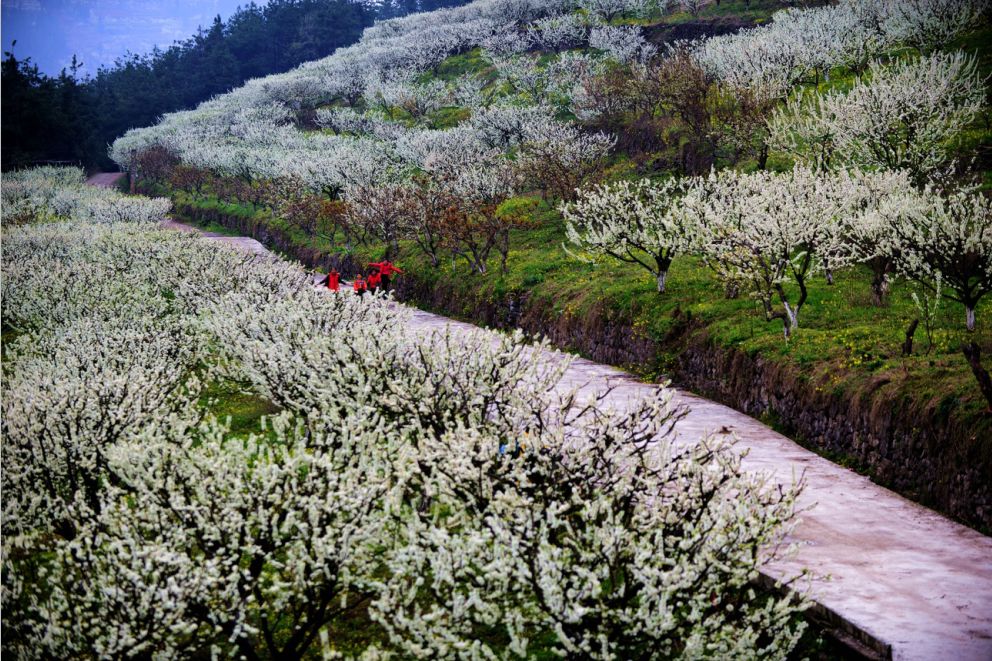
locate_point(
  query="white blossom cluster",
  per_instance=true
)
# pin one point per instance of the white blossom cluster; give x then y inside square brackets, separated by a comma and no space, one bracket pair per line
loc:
[906,115]
[623,43]
[944,241]
[51,193]
[762,231]
[607,10]
[371,95]
[255,131]
[800,43]
[443,485]
[640,222]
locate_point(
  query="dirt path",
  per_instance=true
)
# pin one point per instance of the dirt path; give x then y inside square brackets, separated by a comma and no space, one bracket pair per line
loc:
[900,577]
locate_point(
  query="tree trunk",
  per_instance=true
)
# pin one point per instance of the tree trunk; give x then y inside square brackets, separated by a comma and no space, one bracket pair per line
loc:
[786,328]
[793,317]
[907,346]
[763,156]
[662,276]
[879,288]
[970,317]
[973,354]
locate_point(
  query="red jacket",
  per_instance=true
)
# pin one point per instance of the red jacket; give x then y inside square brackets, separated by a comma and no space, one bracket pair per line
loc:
[385,268]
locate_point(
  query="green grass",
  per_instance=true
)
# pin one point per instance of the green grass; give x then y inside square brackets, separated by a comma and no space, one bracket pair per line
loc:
[756,10]
[230,401]
[455,66]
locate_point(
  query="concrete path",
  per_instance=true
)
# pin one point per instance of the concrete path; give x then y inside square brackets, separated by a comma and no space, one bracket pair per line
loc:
[898,574]
[242,242]
[902,579]
[110,179]
[105,179]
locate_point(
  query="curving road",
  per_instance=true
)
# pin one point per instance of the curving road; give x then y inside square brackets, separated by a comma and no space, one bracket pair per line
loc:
[895,576]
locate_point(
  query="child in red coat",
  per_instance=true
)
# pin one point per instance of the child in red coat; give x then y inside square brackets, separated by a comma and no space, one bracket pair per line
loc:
[373,281]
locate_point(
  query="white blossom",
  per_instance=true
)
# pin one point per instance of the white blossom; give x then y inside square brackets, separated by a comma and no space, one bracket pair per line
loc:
[641,223]
[945,241]
[904,116]
[445,484]
[762,231]
[625,44]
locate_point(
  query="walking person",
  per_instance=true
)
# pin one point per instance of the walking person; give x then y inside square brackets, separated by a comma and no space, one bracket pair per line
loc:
[332,280]
[373,281]
[385,269]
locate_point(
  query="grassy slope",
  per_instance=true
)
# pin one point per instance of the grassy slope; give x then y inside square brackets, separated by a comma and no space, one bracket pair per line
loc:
[844,341]
[242,409]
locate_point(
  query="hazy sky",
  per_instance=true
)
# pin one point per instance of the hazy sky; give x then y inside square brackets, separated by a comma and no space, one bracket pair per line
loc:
[99,31]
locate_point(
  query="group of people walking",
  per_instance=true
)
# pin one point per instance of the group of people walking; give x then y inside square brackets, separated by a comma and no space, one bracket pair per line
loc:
[376,280]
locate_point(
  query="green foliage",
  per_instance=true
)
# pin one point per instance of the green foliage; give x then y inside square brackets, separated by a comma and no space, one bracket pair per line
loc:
[230,401]
[446,118]
[454,66]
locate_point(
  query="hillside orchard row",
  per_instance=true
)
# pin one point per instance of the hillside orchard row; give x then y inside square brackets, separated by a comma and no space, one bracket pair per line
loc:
[447,189]
[441,486]
[760,231]
[254,132]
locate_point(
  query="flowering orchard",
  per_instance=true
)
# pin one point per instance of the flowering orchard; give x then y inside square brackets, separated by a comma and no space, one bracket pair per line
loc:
[444,488]
[819,145]
[905,116]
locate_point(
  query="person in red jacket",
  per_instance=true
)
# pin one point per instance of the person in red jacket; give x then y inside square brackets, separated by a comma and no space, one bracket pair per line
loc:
[373,281]
[359,285]
[332,280]
[385,269]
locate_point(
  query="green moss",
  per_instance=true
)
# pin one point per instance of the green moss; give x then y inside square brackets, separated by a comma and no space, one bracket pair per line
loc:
[446,118]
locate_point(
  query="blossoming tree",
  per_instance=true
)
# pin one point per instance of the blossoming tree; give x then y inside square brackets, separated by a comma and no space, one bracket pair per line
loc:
[642,223]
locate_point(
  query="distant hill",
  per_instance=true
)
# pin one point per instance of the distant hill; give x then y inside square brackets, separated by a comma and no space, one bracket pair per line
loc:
[74,119]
